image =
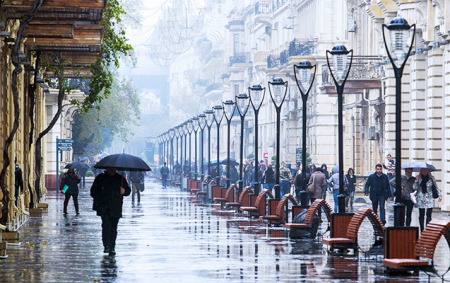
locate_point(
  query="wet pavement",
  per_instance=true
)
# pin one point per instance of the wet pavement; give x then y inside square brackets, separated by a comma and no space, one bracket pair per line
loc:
[169,238]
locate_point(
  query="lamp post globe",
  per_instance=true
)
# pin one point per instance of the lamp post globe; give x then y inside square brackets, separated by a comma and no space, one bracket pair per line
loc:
[304,78]
[257,94]
[278,90]
[209,122]
[202,125]
[242,104]
[401,44]
[339,70]
[229,108]
[218,115]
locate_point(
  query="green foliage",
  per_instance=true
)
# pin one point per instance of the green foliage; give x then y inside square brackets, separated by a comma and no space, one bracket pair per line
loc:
[89,174]
[308,158]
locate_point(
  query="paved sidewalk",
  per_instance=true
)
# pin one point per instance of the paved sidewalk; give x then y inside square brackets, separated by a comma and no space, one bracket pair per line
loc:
[168,238]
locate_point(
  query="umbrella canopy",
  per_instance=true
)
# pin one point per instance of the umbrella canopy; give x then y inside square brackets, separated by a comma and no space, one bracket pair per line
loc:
[123,162]
[233,162]
[417,165]
[77,165]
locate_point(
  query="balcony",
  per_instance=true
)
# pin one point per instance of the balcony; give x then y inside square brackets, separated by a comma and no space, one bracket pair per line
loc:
[298,47]
[263,11]
[240,58]
[273,61]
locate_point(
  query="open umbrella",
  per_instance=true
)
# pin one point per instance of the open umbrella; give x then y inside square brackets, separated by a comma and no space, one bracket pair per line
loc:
[123,162]
[417,165]
[77,165]
[233,162]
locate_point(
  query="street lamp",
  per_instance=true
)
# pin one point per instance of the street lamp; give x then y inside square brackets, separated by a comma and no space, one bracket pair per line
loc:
[185,131]
[305,79]
[256,94]
[177,134]
[189,127]
[159,149]
[218,115]
[340,57]
[195,126]
[202,124]
[401,47]
[242,103]
[209,121]
[172,135]
[229,108]
[278,89]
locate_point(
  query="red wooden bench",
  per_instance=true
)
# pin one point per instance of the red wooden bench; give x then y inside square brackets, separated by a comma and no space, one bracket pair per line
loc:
[228,195]
[259,207]
[311,212]
[424,249]
[279,217]
[351,241]
[243,198]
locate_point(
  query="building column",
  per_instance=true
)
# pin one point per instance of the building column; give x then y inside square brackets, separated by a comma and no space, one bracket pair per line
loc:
[418,104]
[445,185]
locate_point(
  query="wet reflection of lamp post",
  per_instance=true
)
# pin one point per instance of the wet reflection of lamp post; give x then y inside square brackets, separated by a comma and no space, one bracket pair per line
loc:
[278,89]
[401,46]
[195,126]
[209,121]
[305,79]
[229,108]
[189,127]
[339,72]
[171,135]
[256,94]
[218,115]
[202,124]
[242,103]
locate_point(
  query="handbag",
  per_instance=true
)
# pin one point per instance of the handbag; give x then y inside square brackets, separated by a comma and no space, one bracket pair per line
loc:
[310,189]
[413,198]
[435,192]
[141,187]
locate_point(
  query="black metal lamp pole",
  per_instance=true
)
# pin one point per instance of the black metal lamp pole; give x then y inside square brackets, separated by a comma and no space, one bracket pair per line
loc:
[202,124]
[399,30]
[256,94]
[339,55]
[189,128]
[218,115]
[185,130]
[195,126]
[172,156]
[278,95]
[160,149]
[242,104]
[176,147]
[229,108]
[304,85]
[209,121]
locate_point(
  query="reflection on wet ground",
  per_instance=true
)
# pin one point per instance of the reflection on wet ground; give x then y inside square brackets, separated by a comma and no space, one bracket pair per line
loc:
[168,238]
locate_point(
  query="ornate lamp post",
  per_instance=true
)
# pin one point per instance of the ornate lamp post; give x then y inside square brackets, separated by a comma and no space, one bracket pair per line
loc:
[202,124]
[256,94]
[195,126]
[189,127]
[185,131]
[172,135]
[159,149]
[401,47]
[305,79]
[177,134]
[278,89]
[229,108]
[242,103]
[209,121]
[218,115]
[339,71]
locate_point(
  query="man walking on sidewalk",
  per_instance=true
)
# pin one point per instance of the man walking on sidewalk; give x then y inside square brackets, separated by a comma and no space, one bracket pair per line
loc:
[164,174]
[378,189]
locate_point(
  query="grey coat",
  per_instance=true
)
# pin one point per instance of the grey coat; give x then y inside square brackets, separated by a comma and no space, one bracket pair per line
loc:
[407,186]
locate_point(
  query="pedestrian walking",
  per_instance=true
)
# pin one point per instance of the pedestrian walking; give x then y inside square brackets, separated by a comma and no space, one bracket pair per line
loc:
[295,170]
[389,165]
[408,181]
[298,181]
[312,168]
[285,179]
[427,190]
[351,186]
[137,182]
[378,189]
[18,181]
[71,180]
[333,182]
[248,169]
[108,191]
[82,173]
[262,165]
[327,176]
[164,174]
[317,180]
[268,178]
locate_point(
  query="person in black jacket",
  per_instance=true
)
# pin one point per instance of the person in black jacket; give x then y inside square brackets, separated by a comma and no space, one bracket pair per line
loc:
[351,185]
[71,180]
[298,181]
[378,189]
[108,191]
[18,181]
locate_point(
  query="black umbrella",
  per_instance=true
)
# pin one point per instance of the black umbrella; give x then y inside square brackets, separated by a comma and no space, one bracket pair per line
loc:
[233,162]
[123,162]
[77,165]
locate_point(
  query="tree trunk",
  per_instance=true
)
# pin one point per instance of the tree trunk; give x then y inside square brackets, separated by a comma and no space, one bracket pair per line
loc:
[17,70]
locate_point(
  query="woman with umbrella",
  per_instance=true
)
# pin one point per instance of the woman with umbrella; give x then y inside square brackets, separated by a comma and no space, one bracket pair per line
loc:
[424,186]
[69,187]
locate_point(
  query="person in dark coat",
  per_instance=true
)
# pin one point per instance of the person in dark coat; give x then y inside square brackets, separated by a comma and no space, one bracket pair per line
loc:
[18,181]
[108,191]
[407,181]
[327,176]
[268,178]
[82,172]
[71,180]
[137,180]
[378,189]
[351,185]
[164,174]
[298,181]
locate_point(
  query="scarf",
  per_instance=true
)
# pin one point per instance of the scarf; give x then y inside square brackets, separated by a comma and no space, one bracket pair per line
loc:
[424,182]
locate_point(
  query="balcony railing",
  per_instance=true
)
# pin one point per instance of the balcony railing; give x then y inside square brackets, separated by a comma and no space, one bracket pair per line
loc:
[278,3]
[264,7]
[240,58]
[273,61]
[363,68]
[301,48]
[284,57]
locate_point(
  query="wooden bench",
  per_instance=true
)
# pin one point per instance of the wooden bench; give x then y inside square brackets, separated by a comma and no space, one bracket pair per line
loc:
[228,195]
[243,198]
[311,212]
[424,248]
[351,241]
[280,215]
[260,204]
